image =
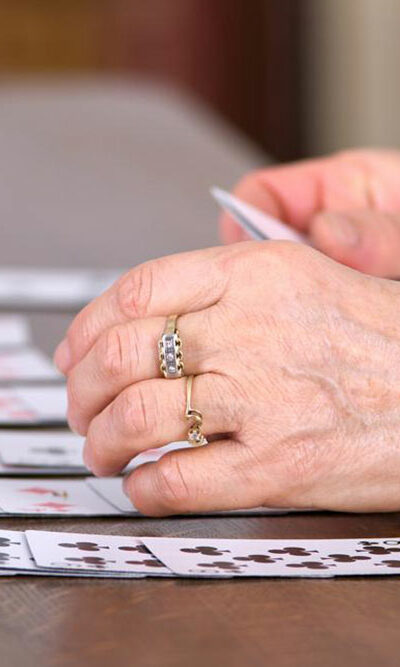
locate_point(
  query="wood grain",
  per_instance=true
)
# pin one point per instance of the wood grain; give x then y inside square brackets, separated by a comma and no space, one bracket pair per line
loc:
[180,622]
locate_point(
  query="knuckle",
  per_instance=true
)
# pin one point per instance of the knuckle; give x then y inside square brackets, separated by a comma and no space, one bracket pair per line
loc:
[171,485]
[136,414]
[112,352]
[135,290]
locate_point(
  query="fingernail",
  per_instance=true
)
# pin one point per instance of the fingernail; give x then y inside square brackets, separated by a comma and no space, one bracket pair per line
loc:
[344,230]
[62,356]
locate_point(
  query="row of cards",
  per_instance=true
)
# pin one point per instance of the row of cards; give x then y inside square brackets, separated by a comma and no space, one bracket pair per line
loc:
[53,288]
[77,554]
[78,497]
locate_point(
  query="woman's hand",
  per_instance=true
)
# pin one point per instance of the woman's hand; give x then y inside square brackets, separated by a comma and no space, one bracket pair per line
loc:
[297,361]
[348,203]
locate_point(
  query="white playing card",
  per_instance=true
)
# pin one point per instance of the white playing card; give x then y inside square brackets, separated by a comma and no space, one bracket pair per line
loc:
[16,558]
[33,405]
[41,449]
[26,364]
[110,488]
[51,497]
[105,553]
[53,288]
[14,551]
[14,331]
[277,558]
[151,455]
[256,223]
[21,471]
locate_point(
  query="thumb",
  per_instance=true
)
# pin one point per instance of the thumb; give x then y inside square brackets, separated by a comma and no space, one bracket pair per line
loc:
[363,239]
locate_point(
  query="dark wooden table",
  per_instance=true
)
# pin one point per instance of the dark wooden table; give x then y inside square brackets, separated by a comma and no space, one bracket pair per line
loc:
[174,623]
[68,169]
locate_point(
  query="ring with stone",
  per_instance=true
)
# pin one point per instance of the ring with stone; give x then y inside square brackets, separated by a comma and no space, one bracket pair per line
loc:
[195,436]
[170,350]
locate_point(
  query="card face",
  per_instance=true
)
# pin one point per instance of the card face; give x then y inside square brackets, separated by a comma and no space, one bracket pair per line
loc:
[26,364]
[14,331]
[41,449]
[51,497]
[33,405]
[105,553]
[277,558]
[14,551]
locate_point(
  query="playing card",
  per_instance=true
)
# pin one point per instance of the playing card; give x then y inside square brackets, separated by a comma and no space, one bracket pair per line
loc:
[105,553]
[110,488]
[16,558]
[151,455]
[277,558]
[51,497]
[52,288]
[26,364]
[258,225]
[14,331]
[33,405]
[14,552]
[41,449]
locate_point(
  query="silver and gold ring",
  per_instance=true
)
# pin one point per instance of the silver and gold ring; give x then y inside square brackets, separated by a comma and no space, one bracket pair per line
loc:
[170,350]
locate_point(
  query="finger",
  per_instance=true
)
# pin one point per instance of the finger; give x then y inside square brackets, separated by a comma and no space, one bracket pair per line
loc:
[128,353]
[365,240]
[175,284]
[151,414]
[216,477]
[295,193]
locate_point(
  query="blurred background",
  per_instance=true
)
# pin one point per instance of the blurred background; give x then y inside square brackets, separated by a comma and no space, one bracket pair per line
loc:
[116,116]
[297,76]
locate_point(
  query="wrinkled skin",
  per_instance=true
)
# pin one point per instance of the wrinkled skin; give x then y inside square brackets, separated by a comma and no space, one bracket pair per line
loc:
[297,358]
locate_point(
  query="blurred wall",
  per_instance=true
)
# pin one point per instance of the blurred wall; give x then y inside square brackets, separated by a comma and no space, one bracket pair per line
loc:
[240,57]
[351,81]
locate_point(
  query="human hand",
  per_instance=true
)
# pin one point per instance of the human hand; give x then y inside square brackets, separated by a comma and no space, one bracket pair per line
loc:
[297,370]
[348,204]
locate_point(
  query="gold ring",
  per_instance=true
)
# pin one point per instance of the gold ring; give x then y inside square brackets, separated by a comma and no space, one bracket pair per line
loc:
[170,350]
[196,436]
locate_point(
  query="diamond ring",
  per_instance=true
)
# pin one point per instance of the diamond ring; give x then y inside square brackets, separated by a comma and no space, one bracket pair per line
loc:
[170,350]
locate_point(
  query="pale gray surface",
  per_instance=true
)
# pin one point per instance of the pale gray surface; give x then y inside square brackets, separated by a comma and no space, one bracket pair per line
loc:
[109,173]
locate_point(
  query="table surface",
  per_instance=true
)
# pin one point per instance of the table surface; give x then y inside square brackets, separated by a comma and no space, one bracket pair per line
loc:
[64,220]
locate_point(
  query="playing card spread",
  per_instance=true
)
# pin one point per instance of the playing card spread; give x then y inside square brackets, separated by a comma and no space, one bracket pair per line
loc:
[14,331]
[33,405]
[41,449]
[16,558]
[26,365]
[277,558]
[106,553]
[51,497]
